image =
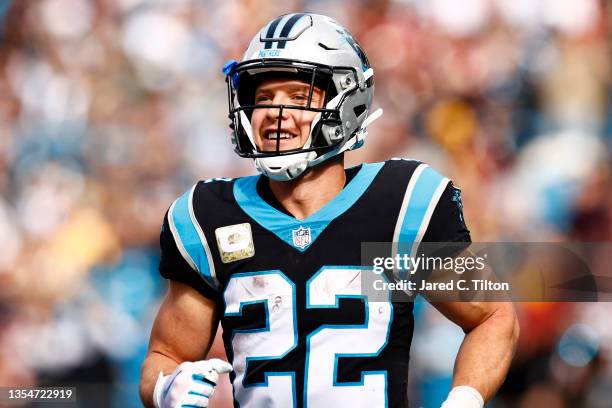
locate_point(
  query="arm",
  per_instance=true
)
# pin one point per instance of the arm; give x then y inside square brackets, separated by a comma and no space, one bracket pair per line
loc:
[183,331]
[486,351]
[491,327]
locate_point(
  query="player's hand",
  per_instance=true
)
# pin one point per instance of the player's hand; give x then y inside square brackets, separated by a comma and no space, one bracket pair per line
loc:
[191,384]
[463,396]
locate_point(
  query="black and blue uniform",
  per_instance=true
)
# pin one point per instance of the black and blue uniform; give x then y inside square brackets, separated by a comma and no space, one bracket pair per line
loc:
[296,326]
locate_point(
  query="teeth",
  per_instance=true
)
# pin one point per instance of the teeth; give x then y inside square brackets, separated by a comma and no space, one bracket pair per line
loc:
[283,135]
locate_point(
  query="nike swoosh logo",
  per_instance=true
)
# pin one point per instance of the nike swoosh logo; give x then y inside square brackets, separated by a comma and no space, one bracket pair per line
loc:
[170,384]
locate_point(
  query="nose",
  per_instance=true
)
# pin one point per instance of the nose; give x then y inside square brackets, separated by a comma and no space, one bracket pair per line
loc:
[274,113]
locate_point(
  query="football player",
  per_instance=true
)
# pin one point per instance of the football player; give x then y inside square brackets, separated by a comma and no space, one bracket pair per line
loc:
[276,257]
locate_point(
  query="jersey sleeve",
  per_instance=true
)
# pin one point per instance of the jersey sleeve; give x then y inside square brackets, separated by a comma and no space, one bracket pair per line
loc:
[430,221]
[447,234]
[447,223]
[174,266]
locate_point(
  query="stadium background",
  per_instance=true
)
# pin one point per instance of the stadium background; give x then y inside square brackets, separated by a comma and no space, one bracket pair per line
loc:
[109,109]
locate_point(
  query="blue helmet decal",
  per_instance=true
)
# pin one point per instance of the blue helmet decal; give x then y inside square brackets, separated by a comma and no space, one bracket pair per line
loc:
[348,37]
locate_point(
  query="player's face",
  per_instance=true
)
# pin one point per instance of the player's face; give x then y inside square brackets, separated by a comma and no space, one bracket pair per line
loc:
[294,123]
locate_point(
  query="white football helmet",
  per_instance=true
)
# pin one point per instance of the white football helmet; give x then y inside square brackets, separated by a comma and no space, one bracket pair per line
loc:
[319,51]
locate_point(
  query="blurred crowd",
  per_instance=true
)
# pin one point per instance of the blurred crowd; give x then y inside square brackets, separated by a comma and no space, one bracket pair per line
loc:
[109,109]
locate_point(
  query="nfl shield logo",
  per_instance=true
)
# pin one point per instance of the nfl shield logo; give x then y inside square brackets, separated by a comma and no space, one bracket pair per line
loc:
[301,237]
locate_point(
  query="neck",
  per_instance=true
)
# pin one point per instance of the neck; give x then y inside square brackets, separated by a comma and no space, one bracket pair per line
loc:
[310,192]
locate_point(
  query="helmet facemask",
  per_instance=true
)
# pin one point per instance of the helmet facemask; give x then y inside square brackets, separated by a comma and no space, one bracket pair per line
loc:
[326,130]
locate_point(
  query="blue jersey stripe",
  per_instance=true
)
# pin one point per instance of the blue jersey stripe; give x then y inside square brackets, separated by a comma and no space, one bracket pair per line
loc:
[424,195]
[283,225]
[189,238]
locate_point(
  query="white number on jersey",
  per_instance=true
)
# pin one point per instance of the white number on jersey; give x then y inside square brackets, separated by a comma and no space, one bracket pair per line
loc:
[324,346]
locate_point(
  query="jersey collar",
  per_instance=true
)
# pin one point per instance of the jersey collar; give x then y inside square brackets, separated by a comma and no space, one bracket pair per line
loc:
[300,234]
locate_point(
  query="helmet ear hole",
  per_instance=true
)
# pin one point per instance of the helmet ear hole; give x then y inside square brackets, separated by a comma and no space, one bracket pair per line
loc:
[359,110]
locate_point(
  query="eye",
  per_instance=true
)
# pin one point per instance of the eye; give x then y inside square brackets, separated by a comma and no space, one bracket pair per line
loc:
[262,98]
[300,97]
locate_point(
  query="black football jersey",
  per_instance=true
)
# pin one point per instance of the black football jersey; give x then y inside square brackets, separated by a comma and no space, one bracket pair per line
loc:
[296,326]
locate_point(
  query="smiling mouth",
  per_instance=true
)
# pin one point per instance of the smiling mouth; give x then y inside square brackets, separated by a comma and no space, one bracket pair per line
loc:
[272,135]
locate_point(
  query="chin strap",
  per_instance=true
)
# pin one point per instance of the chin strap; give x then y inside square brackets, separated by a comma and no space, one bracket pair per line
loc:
[371,118]
[354,142]
[362,133]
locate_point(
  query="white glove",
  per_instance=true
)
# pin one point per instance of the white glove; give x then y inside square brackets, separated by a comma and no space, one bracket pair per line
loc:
[191,384]
[463,396]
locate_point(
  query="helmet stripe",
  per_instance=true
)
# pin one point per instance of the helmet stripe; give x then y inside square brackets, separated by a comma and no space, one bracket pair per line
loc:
[270,32]
[287,28]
